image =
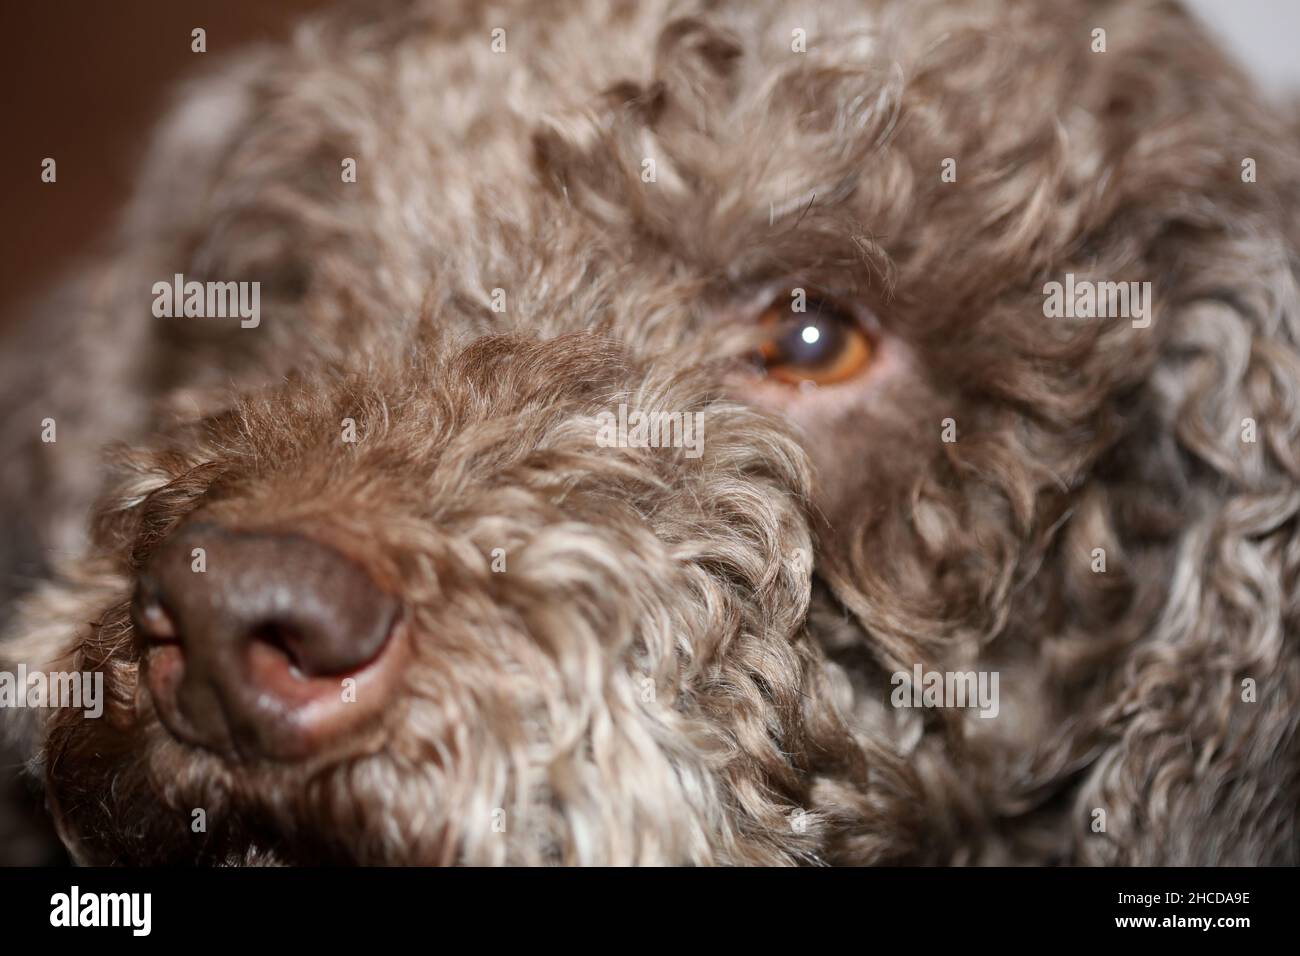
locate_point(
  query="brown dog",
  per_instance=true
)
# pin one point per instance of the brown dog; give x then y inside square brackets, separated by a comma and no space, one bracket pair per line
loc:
[641,433]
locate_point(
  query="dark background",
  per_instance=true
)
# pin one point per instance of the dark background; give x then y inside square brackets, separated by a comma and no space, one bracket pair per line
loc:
[83,81]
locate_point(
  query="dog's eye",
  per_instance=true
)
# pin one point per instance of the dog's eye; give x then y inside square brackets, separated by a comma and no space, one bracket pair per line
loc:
[812,340]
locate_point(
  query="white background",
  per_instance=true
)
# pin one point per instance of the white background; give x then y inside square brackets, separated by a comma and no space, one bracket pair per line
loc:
[1264,35]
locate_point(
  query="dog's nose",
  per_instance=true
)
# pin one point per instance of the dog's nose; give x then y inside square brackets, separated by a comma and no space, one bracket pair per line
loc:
[262,644]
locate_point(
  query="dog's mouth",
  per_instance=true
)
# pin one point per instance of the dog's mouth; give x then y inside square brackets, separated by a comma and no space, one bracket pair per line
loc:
[198,804]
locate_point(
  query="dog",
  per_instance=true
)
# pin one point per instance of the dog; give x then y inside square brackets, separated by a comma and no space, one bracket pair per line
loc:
[677,433]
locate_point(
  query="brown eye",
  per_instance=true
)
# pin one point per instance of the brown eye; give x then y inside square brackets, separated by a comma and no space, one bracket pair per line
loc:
[823,344]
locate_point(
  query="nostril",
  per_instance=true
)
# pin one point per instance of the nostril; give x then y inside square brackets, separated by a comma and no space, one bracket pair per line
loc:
[150,616]
[285,638]
[313,644]
[157,622]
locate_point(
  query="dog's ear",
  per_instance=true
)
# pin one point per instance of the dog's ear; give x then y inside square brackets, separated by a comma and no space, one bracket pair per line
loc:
[1196,511]
[1198,520]
[1129,520]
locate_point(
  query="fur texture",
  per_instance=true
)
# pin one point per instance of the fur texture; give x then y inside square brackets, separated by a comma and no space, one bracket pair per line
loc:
[657,677]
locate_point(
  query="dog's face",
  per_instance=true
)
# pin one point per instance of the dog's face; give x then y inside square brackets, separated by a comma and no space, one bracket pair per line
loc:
[658,384]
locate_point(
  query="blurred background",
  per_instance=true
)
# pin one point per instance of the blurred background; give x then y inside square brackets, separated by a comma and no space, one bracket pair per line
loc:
[1262,33]
[82,81]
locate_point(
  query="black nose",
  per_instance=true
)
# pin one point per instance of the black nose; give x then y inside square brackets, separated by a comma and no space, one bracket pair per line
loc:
[250,636]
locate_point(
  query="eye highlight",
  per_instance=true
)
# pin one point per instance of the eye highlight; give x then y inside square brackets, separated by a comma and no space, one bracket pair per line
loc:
[824,344]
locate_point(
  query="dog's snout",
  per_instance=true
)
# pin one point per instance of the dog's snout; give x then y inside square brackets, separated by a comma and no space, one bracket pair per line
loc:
[263,644]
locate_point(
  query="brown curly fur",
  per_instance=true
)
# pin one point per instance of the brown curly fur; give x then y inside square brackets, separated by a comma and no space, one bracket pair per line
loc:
[656,678]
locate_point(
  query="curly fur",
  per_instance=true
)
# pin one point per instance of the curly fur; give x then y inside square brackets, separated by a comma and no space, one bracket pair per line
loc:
[655,679]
